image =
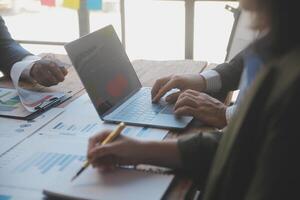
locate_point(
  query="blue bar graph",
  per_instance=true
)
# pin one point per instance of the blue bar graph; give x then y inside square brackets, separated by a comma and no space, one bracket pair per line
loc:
[66,164]
[91,127]
[65,159]
[4,197]
[73,128]
[126,131]
[52,164]
[27,163]
[85,128]
[58,126]
[142,133]
[44,162]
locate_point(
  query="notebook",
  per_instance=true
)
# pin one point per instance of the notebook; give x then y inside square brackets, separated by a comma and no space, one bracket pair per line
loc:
[114,185]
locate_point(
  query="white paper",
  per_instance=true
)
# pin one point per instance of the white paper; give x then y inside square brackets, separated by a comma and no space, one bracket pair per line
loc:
[81,121]
[54,154]
[35,160]
[31,99]
[13,131]
[115,185]
[14,193]
[53,162]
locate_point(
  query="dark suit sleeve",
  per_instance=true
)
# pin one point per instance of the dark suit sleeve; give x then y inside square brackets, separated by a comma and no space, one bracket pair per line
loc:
[230,74]
[197,153]
[10,51]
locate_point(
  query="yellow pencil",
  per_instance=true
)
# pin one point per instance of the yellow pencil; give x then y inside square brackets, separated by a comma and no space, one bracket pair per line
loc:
[114,134]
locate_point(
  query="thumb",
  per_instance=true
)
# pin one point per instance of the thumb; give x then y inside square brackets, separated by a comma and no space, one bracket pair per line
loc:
[64,70]
[172,98]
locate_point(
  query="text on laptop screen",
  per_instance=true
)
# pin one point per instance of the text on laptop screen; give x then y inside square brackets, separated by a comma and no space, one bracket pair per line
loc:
[104,68]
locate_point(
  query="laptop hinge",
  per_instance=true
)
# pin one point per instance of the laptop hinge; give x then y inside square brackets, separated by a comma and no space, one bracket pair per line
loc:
[121,102]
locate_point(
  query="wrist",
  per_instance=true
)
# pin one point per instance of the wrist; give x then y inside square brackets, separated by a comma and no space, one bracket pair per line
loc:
[222,116]
[202,83]
[212,80]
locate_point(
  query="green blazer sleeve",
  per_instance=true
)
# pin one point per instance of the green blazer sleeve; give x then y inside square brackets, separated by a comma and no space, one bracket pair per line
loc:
[277,175]
[197,152]
[258,156]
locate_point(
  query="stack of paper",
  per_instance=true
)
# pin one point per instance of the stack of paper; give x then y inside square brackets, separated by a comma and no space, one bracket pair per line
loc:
[51,157]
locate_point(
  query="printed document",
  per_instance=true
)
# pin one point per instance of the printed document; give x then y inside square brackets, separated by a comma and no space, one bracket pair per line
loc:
[80,120]
[13,131]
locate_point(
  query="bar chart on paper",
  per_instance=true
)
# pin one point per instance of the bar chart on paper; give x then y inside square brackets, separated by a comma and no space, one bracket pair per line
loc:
[41,168]
[47,162]
[72,128]
[72,125]
[40,161]
[5,197]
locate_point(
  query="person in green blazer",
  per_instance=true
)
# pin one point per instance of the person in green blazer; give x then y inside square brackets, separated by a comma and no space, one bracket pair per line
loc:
[256,158]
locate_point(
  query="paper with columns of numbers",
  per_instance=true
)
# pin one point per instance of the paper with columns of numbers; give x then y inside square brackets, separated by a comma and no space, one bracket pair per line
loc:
[41,160]
[51,163]
[80,121]
[13,131]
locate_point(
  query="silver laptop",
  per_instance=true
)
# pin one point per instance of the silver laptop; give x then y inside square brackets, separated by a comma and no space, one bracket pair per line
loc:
[113,86]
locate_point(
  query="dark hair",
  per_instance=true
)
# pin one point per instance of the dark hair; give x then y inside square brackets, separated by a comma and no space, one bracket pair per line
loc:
[284,22]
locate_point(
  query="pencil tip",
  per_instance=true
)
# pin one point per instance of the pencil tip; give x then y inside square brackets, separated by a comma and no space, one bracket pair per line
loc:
[73,178]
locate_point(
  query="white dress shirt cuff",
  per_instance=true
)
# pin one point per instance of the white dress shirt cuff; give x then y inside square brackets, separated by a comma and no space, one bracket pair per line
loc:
[213,80]
[26,64]
[230,112]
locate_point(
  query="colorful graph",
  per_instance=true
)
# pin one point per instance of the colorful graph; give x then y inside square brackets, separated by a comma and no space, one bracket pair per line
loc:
[8,101]
[45,162]
[117,86]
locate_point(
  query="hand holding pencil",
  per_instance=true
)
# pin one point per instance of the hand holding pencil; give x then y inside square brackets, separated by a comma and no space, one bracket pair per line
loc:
[113,135]
[128,151]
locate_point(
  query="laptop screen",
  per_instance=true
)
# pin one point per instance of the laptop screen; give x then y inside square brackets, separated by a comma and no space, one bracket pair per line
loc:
[104,68]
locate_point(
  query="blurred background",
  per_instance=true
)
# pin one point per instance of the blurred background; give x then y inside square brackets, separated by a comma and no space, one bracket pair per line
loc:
[150,29]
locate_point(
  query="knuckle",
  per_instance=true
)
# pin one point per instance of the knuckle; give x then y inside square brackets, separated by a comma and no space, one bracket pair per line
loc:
[189,91]
[91,139]
[181,96]
[176,76]
[185,98]
[159,80]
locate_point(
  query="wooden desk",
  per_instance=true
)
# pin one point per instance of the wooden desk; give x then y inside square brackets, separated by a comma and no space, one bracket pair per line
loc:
[148,72]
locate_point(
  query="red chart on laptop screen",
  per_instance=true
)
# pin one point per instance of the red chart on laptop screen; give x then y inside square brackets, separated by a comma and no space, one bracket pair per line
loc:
[117,86]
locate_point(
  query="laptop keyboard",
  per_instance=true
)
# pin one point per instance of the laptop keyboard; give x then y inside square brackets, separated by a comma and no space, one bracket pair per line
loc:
[141,108]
